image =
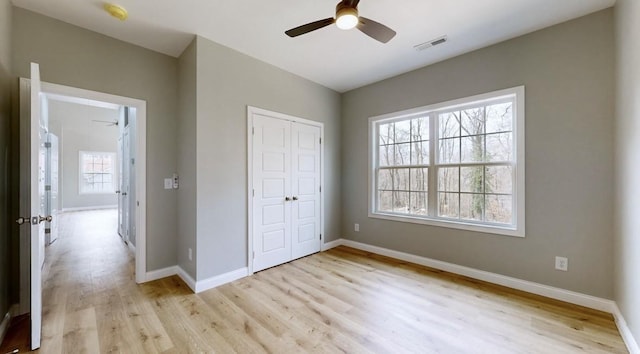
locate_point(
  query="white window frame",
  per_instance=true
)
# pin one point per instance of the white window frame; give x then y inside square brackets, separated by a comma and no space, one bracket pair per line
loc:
[517,229]
[81,172]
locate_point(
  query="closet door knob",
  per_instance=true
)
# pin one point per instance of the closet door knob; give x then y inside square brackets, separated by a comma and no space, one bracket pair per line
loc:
[286,199]
[295,198]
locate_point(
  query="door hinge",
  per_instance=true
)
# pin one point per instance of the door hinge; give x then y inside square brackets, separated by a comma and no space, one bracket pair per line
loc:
[320,189]
[254,192]
[253,130]
[254,255]
[47,145]
[321,141]
[321,236]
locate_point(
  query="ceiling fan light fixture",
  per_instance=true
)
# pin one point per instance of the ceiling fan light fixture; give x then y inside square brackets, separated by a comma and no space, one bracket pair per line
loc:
[347,18]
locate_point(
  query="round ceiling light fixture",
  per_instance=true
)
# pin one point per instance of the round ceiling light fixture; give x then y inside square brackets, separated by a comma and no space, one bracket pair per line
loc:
[116,11]
[346,17]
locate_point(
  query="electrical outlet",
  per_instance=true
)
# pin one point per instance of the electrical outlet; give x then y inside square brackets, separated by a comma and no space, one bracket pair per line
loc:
[562,263]
[356,227]
[190,254]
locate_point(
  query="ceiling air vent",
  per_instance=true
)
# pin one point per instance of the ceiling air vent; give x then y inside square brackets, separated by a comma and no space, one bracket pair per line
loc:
[430,43]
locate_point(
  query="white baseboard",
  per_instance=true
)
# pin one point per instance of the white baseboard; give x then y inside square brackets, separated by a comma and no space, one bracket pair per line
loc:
[510,282]
[210,283]
[99,207]
[161,273]
[625,332]
[4,325]
[191,283]
[331,244]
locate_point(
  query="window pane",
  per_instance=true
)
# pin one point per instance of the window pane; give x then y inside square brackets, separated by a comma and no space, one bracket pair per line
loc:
[471,206]
[449,124]
[403,152]
[450,150]
[401,202]
[448,179]
[403,131]
[473,149]
[500,118]
[420,129]
[420,153]
[400,179]
[385,158]
[472,121]
[385,201]
[384,179]
[386,134]
[448,205]
[498,208]
[419,179]
[499,147]
[499,179]
[419,202]
[472,179]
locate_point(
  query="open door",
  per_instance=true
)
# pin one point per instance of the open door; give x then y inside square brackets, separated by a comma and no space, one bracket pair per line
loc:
[32,192]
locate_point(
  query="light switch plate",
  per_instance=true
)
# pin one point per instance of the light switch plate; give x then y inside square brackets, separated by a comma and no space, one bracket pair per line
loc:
[168,183]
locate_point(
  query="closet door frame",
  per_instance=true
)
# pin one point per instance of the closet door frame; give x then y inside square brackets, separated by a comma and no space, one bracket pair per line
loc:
[251,111]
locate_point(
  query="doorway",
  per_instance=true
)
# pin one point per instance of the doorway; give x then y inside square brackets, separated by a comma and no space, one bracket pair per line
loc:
[95,179]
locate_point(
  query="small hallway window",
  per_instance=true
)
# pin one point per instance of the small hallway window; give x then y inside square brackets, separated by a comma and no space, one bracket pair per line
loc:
[97,172]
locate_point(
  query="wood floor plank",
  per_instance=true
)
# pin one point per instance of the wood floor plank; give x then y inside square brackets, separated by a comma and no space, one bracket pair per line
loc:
[342,300]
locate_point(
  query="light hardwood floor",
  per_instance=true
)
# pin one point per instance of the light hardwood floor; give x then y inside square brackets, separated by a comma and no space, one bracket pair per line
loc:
[342,300]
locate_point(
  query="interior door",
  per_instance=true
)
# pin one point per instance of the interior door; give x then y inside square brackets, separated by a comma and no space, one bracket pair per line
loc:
[51,189]
[119,191]
[124,189]
[38,129]
[272,192]
[305,179]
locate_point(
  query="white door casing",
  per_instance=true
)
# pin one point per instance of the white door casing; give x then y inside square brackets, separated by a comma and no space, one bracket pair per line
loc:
[284,186]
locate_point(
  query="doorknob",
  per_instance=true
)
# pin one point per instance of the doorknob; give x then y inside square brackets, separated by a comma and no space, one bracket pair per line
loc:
[286,199]
[295,198]
[117,192]
[124,194]
[23,220]
[44,218]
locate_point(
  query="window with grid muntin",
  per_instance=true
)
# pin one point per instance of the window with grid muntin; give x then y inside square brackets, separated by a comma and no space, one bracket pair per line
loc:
[457,163]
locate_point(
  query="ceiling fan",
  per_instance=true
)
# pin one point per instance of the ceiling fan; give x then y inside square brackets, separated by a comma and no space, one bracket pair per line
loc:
[346,19]
[106,122]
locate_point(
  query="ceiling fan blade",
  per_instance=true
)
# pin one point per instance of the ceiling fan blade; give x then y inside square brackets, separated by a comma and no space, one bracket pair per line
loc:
[294,32]
[351,3]
[376,30]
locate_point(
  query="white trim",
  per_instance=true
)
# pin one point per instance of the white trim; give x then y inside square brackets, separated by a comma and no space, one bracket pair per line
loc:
[97,207]
[4,325]
[191,283]
[161,273]
[625,331]
[510,282]
[517,229]
[141,160]
[332,244]
[215,281]
[250,112]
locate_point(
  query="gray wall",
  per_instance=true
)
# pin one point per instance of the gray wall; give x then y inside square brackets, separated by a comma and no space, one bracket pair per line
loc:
[76,131]
[72,56]
[627,245]
[227,82]
[187,192]
[568,73]
[5,113]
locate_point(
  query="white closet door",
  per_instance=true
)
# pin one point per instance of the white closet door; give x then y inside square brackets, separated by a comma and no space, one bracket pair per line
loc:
[305,188]
[272,185]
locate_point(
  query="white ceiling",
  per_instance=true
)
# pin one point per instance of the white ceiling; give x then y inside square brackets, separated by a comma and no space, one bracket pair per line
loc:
[341,60]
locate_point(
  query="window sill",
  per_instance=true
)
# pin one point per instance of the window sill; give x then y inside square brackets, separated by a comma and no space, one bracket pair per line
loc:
[505,231]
